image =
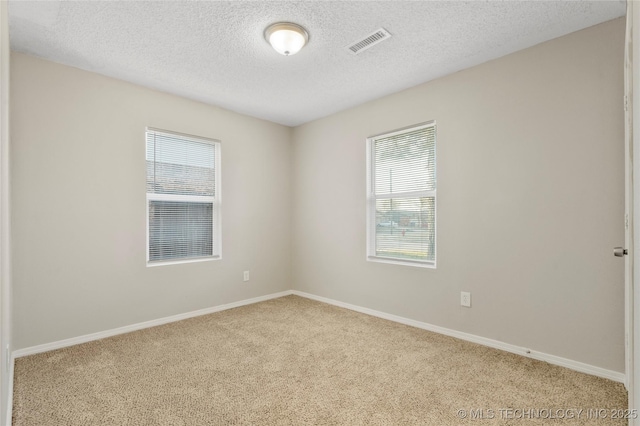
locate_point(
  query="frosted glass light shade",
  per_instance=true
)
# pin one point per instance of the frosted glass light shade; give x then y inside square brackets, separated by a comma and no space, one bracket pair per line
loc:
[286,38]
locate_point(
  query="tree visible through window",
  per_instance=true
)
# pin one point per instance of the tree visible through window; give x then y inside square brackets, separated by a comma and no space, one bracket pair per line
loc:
[402,196]
[183,197]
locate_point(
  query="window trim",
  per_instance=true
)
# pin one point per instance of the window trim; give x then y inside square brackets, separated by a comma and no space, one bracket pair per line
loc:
[371,201]
[216,201]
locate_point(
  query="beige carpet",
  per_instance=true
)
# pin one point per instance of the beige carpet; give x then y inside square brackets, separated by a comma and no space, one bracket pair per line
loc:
[293,361]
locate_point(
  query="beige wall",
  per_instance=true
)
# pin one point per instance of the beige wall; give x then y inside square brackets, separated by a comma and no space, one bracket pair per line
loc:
[530,201]
[78,169]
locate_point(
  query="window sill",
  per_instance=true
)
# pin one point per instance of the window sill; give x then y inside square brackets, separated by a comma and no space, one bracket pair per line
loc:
[180,261]
[416,263]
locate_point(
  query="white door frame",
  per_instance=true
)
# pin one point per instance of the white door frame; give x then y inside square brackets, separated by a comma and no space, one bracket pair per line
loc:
[632,206]
[628,166]
[6,381]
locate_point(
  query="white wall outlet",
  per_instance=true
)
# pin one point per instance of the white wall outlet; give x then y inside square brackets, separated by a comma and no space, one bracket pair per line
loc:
[246,276]
[465,299]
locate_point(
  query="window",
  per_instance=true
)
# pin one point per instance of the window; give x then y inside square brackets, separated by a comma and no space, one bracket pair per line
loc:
[401,196]
[183,197]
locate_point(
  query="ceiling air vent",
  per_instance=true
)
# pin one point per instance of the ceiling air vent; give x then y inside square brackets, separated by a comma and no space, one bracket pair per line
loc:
[369,41]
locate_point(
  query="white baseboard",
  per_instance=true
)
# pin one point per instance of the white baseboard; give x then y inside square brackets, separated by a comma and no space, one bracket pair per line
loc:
[139,326]
[551,359]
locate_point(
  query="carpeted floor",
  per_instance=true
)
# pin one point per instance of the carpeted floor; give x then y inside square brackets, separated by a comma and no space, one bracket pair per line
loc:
[293,361]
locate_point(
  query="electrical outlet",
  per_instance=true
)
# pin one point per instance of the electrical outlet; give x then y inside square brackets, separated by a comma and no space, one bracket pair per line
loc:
[246,276]
[465,299]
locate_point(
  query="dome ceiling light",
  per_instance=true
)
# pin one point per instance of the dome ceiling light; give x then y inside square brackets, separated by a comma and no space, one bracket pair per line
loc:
[286,38]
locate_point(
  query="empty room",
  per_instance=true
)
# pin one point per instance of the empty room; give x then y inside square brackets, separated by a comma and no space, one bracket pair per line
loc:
[318,212]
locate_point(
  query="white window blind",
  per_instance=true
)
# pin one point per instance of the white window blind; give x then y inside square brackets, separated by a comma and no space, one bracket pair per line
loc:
[402,196]
[183,197]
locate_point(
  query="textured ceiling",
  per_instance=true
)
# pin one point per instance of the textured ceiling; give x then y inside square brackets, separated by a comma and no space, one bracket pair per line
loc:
[214,51]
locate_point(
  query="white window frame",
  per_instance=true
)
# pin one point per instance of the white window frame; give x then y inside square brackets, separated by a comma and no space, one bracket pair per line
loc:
[216,201]
[372,197]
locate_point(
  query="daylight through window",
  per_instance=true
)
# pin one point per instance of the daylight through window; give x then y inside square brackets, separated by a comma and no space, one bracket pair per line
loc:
[183,197]
[402,196]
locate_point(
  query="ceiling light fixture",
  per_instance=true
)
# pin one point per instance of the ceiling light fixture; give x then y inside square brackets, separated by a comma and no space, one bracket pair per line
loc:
[286,38]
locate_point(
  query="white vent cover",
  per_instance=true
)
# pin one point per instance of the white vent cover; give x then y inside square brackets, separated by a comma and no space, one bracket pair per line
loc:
[369,41]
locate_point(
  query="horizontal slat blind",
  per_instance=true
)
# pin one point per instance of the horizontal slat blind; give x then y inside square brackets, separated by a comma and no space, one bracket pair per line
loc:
[181,196]
[179,166]
[403,187]
[405,228]
[179,230]
[405,162]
